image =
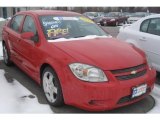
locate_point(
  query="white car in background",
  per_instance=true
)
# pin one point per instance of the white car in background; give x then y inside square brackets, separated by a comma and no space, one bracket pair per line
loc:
[145,34]
[136,16]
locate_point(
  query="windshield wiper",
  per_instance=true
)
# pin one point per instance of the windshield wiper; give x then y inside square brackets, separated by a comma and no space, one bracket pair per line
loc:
[79,36]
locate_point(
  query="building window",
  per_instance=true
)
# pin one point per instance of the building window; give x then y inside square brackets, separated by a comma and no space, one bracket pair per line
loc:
[4,12]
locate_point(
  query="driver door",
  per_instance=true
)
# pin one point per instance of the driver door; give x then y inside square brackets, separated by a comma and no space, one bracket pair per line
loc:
[29,48]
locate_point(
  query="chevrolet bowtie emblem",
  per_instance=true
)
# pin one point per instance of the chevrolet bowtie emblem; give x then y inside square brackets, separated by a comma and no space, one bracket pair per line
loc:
[133,72]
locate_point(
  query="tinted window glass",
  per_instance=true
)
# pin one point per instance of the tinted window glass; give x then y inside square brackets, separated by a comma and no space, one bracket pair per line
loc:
[29,25]
[154,26]
[144,26]
[16,22]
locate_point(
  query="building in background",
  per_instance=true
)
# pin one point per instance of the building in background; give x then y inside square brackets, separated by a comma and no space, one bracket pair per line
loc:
[6,12]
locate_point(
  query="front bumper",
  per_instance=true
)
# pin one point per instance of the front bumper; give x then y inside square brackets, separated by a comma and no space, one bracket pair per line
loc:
[106,95]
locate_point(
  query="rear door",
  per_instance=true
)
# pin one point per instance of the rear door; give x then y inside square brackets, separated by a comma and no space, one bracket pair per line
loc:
[14,36]
[150,40]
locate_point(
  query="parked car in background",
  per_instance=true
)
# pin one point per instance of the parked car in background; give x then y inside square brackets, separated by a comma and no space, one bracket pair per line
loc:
[99,17]
[145,34]
[91,15]
[127,14]
[113,18]
[136,16]
[75,61]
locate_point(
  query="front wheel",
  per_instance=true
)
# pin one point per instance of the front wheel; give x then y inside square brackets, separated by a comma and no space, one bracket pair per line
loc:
[6,55]
[51,87]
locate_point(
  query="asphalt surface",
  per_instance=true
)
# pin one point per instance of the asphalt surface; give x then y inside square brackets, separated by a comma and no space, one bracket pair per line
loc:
[14,73]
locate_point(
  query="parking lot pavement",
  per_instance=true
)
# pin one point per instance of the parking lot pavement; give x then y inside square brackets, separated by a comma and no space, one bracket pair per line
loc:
[113,31]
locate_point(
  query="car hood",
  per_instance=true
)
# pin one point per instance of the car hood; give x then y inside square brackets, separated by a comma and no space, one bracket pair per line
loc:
[105,53]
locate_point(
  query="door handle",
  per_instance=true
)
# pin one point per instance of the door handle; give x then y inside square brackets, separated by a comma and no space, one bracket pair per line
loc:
[143,39]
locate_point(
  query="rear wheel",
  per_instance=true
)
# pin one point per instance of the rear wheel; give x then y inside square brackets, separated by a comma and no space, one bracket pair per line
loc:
[6,55]
[51,87]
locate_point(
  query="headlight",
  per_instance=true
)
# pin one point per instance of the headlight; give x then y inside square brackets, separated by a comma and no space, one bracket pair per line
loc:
[88,73]
[112,20]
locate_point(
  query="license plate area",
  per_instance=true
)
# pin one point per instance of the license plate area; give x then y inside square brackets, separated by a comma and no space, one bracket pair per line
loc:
[139,90]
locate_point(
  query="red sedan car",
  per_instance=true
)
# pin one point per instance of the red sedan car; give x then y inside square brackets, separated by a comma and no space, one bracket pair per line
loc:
[114,19]
[75,61]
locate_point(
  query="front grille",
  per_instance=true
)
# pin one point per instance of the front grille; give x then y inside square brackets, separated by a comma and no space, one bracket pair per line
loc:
[127,77]
[128,69]
[126,74]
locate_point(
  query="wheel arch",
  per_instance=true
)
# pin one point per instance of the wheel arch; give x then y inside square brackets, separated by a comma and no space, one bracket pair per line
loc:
[42,67]
[133,42]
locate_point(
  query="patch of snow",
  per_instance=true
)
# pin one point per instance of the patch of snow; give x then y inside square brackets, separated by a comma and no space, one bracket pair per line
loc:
[1,51]
[14,98]
[80,38]
[156,95]
[2,19]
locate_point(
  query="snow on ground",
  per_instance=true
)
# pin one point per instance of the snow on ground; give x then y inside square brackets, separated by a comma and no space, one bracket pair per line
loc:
[14,97]
[2,19]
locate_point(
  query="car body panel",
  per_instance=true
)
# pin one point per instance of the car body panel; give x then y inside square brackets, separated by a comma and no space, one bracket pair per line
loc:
[103,56]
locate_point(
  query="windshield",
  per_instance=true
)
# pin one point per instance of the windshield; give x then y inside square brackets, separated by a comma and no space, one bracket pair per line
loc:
[69,27]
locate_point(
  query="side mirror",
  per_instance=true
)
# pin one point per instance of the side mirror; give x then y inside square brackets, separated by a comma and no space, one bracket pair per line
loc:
[27,35]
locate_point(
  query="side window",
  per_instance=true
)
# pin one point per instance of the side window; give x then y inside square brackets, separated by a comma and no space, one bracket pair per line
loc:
[154,26]
[29,25]
[144,26]
[16,22]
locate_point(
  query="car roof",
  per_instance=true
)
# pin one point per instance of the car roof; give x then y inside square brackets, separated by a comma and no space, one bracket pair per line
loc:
[153,16]
[48,12]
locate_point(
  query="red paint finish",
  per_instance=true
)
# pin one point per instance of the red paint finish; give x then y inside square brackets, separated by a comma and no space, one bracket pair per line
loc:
[105,53]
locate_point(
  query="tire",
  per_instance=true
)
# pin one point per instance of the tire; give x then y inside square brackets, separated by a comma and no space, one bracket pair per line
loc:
[51,87]
[6,56]
[101,24]
[125,22]
[116,24]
